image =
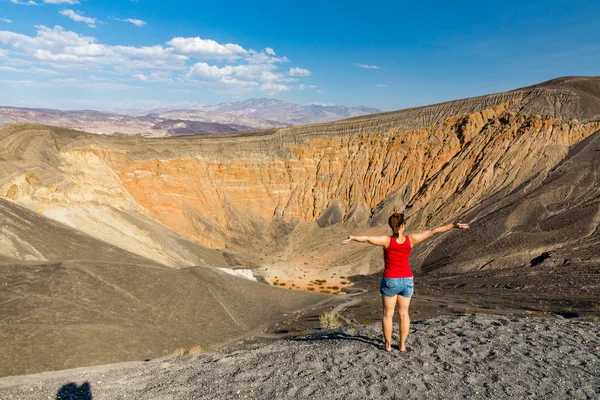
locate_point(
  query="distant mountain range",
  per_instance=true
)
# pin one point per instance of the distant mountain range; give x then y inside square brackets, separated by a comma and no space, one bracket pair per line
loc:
[156,122]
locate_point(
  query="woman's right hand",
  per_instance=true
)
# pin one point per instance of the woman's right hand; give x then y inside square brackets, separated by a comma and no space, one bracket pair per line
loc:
[347,240]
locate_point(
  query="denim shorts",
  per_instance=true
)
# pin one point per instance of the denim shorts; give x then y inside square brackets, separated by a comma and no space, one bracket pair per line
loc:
[390,287]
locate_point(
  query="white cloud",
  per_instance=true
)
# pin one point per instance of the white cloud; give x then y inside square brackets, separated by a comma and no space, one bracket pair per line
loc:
[56,51]
[206,48]
[25,3]
[240,78]
[8,21]
[16,61]
[302,86]
[141,77]
[203,71]
[270,51]
[16,84]
[34,70]
[59,45]
[9,69]
[299,72]
[158,76]
[61,1]
[366,66]
[43,71]
[319,91]
[255,57]
[381,85]
[273,88]
[136,22]
[242,75]
[77,16]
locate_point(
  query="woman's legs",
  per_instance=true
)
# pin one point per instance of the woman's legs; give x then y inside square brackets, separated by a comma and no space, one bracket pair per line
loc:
[404,319]
[389,303]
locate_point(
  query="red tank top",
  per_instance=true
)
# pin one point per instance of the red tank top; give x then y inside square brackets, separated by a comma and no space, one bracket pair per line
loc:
[396,259]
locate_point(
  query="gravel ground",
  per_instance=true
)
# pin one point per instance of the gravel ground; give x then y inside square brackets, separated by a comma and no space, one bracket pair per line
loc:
[465,356]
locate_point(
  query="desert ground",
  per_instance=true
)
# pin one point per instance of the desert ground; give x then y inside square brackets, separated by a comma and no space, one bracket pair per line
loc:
[464,356]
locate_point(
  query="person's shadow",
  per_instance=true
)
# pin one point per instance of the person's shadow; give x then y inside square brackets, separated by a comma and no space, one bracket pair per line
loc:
[71,391]
[333,335]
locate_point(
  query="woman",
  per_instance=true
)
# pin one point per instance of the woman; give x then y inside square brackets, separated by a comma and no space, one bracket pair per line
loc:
[397,283]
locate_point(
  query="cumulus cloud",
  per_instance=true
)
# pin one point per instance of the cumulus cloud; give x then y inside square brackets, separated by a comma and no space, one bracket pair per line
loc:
[206,48]
[299,72]
[255,57]
[78,16]
[25,3]
[366,66]
[273,88]
[233,74]
[8,21]
[233,69]
[64,49]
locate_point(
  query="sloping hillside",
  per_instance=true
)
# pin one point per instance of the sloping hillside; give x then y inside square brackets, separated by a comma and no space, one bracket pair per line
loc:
[550,221]
[82,301]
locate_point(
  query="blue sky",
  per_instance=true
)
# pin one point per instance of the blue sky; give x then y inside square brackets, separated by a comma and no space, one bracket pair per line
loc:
[115,54]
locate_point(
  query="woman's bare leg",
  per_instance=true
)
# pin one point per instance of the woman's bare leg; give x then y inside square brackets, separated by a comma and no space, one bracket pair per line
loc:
[389,303]
[404,320]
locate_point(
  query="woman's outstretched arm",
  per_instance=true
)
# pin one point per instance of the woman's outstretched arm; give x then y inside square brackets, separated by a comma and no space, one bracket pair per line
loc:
[420,236]
[376,240]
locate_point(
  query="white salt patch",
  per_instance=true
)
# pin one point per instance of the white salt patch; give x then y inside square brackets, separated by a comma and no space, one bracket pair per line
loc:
[244,273]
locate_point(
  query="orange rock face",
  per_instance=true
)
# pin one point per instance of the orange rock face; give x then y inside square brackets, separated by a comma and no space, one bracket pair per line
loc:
[447,167]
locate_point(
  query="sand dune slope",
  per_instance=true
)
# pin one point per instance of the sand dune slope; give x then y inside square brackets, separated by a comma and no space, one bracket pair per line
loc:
[475,357]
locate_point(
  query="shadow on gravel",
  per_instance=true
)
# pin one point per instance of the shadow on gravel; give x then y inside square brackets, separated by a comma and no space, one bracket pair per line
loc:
[334,335]
[71,391]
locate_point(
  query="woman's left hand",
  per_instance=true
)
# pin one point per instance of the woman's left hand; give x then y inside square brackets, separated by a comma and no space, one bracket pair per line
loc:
[347,240]
[460,225]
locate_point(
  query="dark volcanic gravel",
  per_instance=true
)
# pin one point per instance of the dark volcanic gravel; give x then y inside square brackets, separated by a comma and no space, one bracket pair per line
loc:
[466,356]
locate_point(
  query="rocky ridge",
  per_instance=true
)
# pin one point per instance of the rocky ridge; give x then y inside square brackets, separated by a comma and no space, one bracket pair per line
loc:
[198,120]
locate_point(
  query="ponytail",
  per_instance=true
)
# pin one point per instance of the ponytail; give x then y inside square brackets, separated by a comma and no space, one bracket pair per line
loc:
[395,221]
